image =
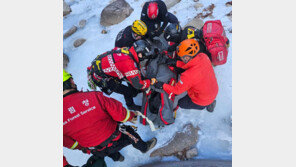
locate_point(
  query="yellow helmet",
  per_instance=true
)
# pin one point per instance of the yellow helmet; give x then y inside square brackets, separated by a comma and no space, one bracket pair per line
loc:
[66,75]
[139,27]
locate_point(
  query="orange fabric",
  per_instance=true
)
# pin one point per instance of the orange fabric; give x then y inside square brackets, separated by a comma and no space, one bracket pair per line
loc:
[198,80]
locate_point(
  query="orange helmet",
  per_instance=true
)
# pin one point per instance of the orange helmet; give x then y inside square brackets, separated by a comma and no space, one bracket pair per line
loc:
[188,47]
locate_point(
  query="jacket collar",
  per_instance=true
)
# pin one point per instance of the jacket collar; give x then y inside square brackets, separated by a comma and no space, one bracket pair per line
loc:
[194,62]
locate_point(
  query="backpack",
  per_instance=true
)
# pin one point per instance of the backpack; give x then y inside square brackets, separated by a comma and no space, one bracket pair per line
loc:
[215,41]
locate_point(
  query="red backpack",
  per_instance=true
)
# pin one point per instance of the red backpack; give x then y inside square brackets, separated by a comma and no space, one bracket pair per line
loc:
[215,41]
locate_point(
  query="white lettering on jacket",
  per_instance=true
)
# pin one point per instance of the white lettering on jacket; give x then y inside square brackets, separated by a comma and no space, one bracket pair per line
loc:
[79,114]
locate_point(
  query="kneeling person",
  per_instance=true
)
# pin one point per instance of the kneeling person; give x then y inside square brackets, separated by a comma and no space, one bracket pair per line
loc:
[91,123]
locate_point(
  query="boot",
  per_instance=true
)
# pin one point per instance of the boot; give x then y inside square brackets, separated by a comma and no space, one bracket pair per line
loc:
[134,107]
[117,157]
[150,144]
[211,107]
[121,158]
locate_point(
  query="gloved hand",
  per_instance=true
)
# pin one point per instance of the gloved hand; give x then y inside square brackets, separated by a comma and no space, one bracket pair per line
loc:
[159,85]
[171,62]
[153,81]
[134,120]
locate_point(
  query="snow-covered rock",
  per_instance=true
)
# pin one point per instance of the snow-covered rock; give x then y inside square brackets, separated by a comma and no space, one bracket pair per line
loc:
[198,5]
[192,163]
[171,3]
[180,143]
[195,22]
[66,9]
[65,60]
[79,42]
[115,13]
[71,31]
[191,153]
[82,23]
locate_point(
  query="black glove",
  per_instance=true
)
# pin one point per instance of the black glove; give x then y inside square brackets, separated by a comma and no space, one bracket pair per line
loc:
[171,62]
[159,85]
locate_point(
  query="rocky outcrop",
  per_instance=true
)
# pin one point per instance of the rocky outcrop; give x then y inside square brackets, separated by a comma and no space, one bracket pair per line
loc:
[171,3]
[192,163]
[115,13]
[180,143]
[206,12]
[195,22]
[65,60]
[66,9]
[71,31]
[79,42]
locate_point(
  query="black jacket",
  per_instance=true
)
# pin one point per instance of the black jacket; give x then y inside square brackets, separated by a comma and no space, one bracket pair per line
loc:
[125,38]
[188,33]
[157,25]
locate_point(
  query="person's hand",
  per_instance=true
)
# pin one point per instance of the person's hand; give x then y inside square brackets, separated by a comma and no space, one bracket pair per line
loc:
[171,62]
[159,85]
[153,81]
[134,120]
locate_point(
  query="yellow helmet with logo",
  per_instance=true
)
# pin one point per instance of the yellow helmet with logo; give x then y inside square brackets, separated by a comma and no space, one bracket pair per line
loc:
[66,75]
[139,27]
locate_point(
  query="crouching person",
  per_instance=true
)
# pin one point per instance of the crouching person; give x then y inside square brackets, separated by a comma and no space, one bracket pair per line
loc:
[110,69]
[91,123]
[198,79]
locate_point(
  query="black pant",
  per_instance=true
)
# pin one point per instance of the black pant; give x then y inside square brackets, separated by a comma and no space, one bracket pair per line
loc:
[127,91]
[187,103]
[113,151]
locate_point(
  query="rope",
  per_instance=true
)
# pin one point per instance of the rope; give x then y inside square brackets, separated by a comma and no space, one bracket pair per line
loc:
[152,127]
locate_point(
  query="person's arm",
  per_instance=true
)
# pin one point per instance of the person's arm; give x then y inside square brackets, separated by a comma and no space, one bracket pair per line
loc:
[115,109]
[70,143]
[133,75]
[181,86]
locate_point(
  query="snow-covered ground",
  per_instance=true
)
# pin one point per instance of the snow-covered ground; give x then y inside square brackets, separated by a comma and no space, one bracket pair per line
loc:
[215,140]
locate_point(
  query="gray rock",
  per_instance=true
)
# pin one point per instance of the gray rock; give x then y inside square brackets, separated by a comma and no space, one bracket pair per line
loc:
[181,142]
[66,9]
[82,23]
[192,163]
[195,22]
[171,3]
[195,0]
[198,5]
[115,13]
[71,31]
[191,153]
[79,42]
[229,15]
[65,60]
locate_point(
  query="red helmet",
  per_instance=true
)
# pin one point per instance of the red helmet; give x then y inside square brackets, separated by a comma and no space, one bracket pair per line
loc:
[152,10]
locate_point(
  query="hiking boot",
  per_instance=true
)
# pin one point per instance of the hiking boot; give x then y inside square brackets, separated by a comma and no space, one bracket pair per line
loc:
[117,157]
[134,107]
[150,144]
[211,107]
[121,158]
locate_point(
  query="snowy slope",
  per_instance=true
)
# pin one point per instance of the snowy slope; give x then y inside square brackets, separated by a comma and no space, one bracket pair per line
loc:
[215,135]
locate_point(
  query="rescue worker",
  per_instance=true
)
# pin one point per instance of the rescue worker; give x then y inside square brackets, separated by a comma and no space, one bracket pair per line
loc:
[174,35]
[108,71]
[198,79]
[126,37]
[91,123]
[156,17]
